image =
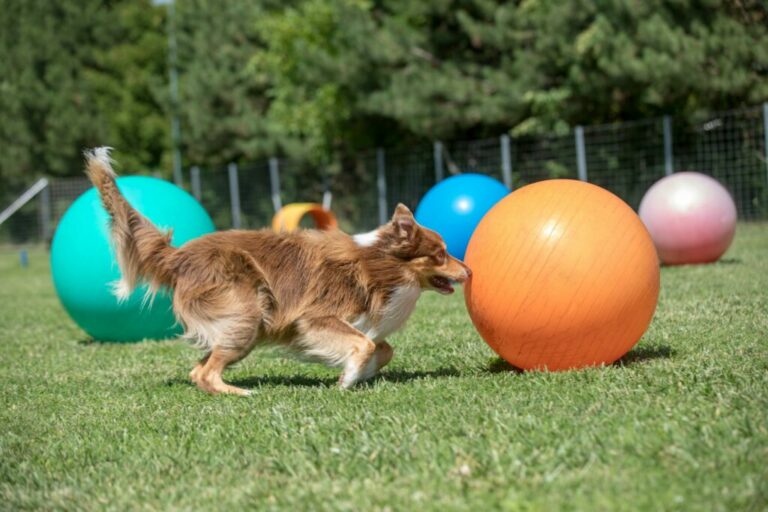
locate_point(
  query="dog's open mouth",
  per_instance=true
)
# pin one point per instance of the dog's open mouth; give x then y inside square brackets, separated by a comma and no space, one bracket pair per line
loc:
[441,284]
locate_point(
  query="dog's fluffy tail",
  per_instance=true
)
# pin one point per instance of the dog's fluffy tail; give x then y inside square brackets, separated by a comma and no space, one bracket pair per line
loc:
[144,253]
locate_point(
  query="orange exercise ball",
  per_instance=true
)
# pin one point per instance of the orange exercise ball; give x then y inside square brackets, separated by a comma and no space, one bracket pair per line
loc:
[564,275]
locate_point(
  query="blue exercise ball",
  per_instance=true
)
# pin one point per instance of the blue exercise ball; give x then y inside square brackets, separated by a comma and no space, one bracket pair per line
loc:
[84,267]
[455,206]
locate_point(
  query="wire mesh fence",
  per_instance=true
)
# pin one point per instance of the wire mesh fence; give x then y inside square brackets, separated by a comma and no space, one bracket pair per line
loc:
[730,146]
[541,158]
[611,150]
[625,158]
[477,156]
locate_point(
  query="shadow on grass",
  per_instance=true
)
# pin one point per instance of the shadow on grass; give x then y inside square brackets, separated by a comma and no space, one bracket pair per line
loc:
[407,376]
[283,380]
[636,356]
[397,376]
[722,261]
[498,365]
[644,354]
[88,341]
[272,380]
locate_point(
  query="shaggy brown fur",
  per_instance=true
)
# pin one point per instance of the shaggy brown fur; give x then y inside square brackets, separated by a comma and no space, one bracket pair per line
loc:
[322,294]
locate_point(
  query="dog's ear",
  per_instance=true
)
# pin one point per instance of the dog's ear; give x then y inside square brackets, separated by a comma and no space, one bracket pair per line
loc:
[401,210]
[405,225]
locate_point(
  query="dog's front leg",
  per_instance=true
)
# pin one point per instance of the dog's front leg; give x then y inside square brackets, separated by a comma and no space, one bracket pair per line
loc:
[337,343]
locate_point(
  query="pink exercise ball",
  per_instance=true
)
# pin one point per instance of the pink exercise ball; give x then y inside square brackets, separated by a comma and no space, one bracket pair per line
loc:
[691,218]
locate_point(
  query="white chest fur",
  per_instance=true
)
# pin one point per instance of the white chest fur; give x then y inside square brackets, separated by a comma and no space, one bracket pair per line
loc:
[396,313]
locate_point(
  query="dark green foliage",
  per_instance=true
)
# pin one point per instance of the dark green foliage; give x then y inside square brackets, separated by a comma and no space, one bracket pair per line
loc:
[318,80]
[222,102]
[46,105]
[470,69]
[129,83]
[75,75]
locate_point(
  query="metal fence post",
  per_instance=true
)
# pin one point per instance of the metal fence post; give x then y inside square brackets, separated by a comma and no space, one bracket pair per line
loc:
[506,161]
[381,185]
[327,199]
[327,192]
[45,212]
[765,135]
[437,151]
[234,194]
[669,166]
[581,154]
[194,179]
[274,183]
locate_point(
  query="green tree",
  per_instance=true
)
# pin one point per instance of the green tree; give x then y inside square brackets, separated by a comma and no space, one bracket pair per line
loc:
[128,82]
[222,101]
[344,72]
[76,74]
[315,60]
[45,104]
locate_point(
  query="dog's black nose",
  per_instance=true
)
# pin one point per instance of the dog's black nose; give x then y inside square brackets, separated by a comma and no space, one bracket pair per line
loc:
[469,272]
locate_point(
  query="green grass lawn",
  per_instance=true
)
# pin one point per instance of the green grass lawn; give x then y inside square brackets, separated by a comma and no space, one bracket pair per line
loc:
[680,424]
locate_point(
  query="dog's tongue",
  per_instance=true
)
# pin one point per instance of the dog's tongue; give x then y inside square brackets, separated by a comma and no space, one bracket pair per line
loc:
[441,284]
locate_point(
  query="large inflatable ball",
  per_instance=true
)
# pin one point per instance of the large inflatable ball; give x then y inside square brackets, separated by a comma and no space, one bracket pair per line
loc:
[564,275]
[691,217]
[84,266]
[455,206]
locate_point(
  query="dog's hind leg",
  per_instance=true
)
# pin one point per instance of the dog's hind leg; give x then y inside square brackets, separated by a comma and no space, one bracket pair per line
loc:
[209,377]
[229,338]
[337,343]
[194,375]
[223,315]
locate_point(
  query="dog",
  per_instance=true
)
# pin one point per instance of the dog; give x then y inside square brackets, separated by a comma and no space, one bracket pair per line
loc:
[324,295]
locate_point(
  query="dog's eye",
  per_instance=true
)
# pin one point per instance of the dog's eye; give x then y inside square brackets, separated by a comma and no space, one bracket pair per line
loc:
[439,257]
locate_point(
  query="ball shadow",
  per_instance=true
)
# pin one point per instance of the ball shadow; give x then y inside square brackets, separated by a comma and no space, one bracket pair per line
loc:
[636,356]
[722,261]
[499,365]
[644,354]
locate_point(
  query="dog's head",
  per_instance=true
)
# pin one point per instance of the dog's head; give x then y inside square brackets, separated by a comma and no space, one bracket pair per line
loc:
[423,251]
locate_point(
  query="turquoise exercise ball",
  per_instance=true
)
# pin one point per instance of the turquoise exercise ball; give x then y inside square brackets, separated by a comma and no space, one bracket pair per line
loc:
[455,206]
[84,267]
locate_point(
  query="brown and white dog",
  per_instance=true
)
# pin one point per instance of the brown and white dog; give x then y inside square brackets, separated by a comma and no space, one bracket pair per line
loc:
[325,295]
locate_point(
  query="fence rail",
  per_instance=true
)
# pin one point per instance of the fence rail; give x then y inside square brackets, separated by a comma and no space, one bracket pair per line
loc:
[626,158]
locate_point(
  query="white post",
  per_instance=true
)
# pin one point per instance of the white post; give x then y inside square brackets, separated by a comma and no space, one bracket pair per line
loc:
[581,154]
[506,161]
[234,194]
[45,212]
[274,182]
[174,85]
[381,185]
[669,166]
[194,178]
[765,134]
[437,151]
[327,198]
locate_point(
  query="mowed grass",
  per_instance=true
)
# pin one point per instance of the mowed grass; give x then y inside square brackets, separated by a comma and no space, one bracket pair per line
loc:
[680,424]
